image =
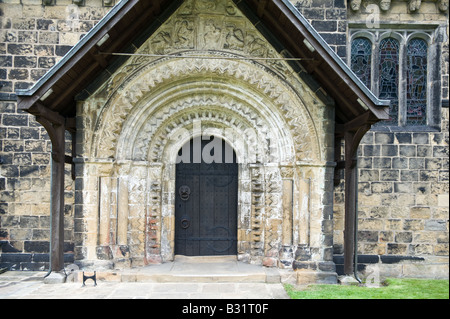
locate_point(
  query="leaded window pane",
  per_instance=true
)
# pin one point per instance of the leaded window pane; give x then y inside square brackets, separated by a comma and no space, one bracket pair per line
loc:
[361,59]
[416,96]
[389,70]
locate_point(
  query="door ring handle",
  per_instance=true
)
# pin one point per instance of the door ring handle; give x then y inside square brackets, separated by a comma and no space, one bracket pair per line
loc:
[185,223]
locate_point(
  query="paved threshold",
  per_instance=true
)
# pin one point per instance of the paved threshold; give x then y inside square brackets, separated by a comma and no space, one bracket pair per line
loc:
[205,270]
[184,278]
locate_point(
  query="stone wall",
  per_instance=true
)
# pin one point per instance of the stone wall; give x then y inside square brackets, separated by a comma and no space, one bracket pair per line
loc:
[33,37]
[328,17]
[403,178]
[403,203]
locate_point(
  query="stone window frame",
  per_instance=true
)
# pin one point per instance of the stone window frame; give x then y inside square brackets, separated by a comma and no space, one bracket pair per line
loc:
[431,35]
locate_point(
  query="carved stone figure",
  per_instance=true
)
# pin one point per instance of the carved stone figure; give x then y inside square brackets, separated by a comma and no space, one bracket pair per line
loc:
[212,34]
[206,4]
[161,41]
[256,46]
[443,5]
[414,5]
[184,34]
[234,39]
[355,4]
[385,5]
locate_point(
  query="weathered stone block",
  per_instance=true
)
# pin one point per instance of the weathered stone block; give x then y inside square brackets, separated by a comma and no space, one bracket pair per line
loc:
[368,236]
[435,225]
[384,138]
[305,277]
[420,212]
[403,237]
[397,249]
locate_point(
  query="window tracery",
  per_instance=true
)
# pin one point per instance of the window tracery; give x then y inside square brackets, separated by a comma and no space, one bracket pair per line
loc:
[395,65]
[416,93]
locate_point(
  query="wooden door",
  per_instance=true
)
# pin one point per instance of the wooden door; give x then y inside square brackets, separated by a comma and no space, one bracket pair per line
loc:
[206,203]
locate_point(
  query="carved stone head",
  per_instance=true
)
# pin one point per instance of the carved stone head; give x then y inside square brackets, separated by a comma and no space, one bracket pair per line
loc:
[443,5]
[414,5]
[355,4]
[385,5]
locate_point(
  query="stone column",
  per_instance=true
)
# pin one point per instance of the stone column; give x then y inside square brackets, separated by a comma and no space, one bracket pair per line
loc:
[287,241]
[257,213]
[160,219]
[313,257]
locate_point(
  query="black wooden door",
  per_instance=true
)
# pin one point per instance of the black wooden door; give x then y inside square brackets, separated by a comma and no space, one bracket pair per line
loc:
[206,203]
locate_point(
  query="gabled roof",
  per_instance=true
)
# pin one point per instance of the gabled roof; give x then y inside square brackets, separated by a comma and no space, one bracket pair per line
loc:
[278,20]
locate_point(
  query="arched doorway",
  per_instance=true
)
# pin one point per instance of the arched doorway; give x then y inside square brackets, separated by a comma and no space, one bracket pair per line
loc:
[206,198]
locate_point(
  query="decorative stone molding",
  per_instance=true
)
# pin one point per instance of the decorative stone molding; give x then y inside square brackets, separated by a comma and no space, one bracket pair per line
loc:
[238,74]
[413,6]
[143,76]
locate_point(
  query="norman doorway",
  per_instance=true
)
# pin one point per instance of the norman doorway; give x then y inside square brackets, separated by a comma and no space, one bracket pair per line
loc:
[206,198]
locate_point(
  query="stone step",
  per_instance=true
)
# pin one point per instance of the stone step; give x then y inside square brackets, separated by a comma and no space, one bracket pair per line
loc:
[195,270]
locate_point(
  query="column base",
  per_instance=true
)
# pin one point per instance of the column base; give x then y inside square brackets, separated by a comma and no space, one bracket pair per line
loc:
[55,278]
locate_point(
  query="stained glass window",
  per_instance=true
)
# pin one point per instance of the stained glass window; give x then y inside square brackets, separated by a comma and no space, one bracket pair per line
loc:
[416,95]
[361,59]
[389,70]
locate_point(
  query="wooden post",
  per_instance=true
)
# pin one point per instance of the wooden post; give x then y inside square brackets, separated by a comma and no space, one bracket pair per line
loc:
[55,125]
[354,131]
[350,203]
[57,200]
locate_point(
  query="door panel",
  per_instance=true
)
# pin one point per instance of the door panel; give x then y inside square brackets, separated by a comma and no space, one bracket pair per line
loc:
[206,218]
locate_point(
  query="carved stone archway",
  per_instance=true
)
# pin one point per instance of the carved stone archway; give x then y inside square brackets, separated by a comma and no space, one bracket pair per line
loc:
[151,106]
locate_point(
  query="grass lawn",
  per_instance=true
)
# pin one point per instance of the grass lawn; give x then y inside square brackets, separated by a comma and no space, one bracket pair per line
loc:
[391,289]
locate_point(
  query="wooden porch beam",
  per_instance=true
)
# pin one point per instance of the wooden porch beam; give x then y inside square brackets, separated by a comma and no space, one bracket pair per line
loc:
[40,110]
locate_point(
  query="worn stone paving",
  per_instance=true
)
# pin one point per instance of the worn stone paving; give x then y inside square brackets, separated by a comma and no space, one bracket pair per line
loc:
[179,280]
[33,287]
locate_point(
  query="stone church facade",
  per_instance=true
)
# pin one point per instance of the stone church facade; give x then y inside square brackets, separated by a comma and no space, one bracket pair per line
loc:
[121,197]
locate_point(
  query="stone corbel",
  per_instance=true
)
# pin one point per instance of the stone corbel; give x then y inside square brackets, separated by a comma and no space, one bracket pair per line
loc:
[414,5]
[443,5]
[355,5]
[385,5]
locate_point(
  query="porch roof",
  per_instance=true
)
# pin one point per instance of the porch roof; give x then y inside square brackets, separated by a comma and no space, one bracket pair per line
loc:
[279,20]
